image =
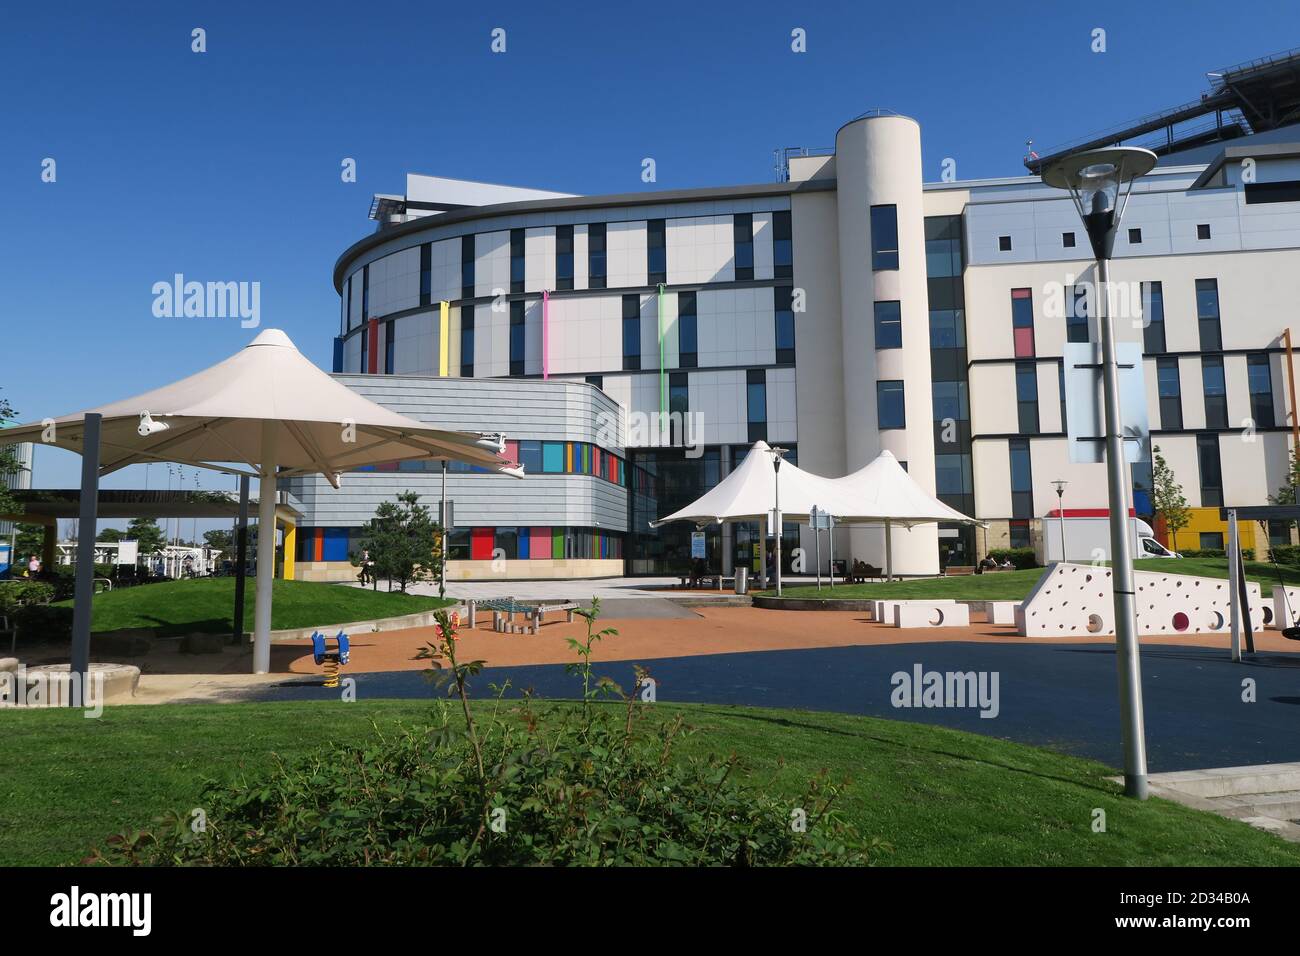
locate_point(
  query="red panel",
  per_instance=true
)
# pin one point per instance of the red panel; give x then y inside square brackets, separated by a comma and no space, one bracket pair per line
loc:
[512,451]
[373,333]
[1024,342]
[480,544]
[318,544]
[1086,513]
[1020,293]
[539,543]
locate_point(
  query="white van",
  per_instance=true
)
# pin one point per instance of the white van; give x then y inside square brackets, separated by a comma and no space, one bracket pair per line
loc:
[1087,538]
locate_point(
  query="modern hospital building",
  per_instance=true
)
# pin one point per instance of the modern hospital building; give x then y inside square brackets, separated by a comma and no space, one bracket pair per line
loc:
[848,308]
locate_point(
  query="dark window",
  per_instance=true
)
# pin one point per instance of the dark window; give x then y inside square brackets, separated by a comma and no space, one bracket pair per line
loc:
[596,255]
[530,456]
[1288,191]
[783,305]
[1153,318]
[782,246]
[1210,540]
[365,350]
[1260,376]
[631,333]
[1022,322]
[564,257]
[947,329]
[756,403]
[1207,454]
[467,341]
[1004,243]
[426,272]
[1022,478]
[1135,236]
[1170,390]
[347,304]
[952,475]
[742,230]
[884,237]
[950,401]
[687,331]
[890,412]
[365,294]
[389,346]
[679,401]
[1019,534]
[1279,532]
[597,380]
[1076,314]
[1060,392]
[1216,392]
[656,253]
[517,337]
[1203,231]
[1027,397]
[889,325]
[467,267]
[1067,240]
[517,264]
[507,542]
[1207,314]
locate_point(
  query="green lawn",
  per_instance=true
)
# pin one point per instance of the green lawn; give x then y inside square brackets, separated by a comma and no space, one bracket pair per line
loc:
[1016,585]
[941,797]
[207,604]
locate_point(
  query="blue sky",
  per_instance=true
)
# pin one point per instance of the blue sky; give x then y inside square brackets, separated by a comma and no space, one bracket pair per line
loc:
[225,165]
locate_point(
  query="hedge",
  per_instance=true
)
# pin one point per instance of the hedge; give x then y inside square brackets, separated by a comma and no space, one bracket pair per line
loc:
[1022,558]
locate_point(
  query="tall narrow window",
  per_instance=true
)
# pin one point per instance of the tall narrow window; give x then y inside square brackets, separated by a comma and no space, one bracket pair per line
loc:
[631,333]
[1216,392]
[347,303]
[679,405]
[517,264]
[656,253]
[365,294]
[1170,389]
[1153,318]
[596,256]
[889,325]
[884,237]
[1260,377]
[365,351]
[564,257]
[517,338]
[467,341]
[687,331]
[390,346]
[890,412]
[467,267]
[1022,478]
[1207,314]
[1027,397]
[1022,322]
[1211,469]
[783,305]
[756,403]
[1076,314]
[742,230]
[782,246]
[426,272]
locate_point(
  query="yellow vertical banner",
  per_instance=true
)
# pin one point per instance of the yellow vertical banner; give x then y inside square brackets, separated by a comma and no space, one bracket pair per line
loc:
[444,336]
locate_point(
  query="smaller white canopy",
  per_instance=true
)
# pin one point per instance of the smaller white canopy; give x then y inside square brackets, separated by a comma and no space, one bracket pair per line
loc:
[749,493]
[884,489]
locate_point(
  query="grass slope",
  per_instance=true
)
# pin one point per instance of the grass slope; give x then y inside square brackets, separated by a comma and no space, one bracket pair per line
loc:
[941,797]
[207,604]
[1016,585]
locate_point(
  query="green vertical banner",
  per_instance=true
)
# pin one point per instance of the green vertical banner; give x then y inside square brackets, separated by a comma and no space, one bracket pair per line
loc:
[663,376]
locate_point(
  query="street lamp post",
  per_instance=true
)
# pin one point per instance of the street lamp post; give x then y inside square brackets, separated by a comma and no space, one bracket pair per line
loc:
[776,513]
[1100,181]
[1059,484]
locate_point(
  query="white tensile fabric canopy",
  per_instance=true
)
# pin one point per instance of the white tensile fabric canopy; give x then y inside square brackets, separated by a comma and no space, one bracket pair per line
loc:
[267,407]
[881,492]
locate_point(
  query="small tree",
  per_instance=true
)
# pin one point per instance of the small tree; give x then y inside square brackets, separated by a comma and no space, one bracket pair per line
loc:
[1167,498]
[9,464]
[220,539]
[402,539]
[147,533]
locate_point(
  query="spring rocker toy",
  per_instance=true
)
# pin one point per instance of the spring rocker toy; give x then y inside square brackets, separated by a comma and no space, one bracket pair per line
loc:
[332,660]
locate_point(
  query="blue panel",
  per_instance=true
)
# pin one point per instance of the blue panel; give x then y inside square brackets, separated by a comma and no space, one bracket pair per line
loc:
[338,353]
[335,544]
[524,537]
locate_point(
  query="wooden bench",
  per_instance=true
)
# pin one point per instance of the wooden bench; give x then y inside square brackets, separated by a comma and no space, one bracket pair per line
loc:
[862,572]
[955,570]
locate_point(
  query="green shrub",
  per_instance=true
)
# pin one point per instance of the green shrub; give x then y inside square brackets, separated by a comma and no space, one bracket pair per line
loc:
[43,622]
[15,594]
[1247,554]
[599,786]
[1020,557]
[1285,554]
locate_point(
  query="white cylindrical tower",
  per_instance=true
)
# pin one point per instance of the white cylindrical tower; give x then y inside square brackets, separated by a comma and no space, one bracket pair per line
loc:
[882,260]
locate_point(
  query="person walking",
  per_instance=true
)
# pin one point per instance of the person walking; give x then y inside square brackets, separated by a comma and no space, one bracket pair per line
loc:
[33,566]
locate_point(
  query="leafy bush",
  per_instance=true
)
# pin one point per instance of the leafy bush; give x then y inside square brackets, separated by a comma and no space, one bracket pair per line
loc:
[43,622]
[1247,554]
[1285,554]
[15,594]
[599,786]
[1021,557]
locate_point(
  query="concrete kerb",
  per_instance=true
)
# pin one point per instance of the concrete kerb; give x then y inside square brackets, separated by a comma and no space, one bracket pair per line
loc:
[421,619]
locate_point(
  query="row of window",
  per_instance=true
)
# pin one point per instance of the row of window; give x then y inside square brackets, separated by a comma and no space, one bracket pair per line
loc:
[1259,377]
[688,341]
[475,544]
[1203,232]
[538,458]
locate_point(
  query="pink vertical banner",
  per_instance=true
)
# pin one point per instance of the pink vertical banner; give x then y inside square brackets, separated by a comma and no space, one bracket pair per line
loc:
[546,334]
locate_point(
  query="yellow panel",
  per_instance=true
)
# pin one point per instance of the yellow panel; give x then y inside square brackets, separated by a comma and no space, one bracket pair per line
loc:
[290,549]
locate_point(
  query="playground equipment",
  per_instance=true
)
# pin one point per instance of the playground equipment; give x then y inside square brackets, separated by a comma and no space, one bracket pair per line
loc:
[332,660]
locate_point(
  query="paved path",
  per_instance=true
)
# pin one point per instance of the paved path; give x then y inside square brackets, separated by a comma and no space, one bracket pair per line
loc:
[1057,695]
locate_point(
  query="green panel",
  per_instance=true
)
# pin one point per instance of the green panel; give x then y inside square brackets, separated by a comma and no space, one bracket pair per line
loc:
[557,544]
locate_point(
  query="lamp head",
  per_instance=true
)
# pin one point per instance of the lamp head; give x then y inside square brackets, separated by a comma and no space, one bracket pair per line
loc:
[1099,182]
[1059,484]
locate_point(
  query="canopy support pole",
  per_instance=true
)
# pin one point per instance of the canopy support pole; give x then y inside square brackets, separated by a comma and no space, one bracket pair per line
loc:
[79,676]
[241,560]
[265,551]
[762,554]
[889,551]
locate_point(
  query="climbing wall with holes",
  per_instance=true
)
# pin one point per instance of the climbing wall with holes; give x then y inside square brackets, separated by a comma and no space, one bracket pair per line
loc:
[1286,606]
[1075,600]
